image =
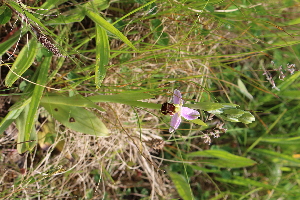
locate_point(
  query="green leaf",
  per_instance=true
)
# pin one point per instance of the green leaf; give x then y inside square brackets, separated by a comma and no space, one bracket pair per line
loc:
[4,46]
[244,90]
[22,102]
[289,81]
[99,4]
[77,14]
[276,155]
[102,55]
[199,122]
[246,118]
[107,26]
[5,14]
[77,101]
[162,38]
[71,16]
[17,7]
[237,180]
[245,182]
[128,98]
[48,5]
[203,169]
[120,98]
[294,21]
[281,140]
[2,9]
[9,118]
[210,8]
[158,34]
[292,94]
[207,106]
[222,158]
[226,111]
[182,186]
[22,134]
[156,25]
[23,62]
[229,118]
[124,57]
[77,119]
[143,104]
[36,96]
[234,112]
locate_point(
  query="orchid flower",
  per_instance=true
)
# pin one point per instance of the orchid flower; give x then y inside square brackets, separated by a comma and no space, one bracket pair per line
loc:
[176,110]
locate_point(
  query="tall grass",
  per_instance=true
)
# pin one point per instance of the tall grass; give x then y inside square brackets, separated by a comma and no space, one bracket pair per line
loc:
[87,119]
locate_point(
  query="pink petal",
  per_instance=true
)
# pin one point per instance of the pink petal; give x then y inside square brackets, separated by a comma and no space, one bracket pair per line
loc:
[189,113]
[175,122]
[177,97]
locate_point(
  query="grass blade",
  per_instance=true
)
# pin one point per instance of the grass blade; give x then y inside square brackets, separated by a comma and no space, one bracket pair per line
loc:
[4,46]
[224,159]
[102,55]
[22,145]
[107,26]
[23,62]
[36,96]
[276,155]
[182,186]
[121,98]
[9,118]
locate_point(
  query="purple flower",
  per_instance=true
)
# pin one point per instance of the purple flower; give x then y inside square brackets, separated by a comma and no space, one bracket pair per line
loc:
[180,111]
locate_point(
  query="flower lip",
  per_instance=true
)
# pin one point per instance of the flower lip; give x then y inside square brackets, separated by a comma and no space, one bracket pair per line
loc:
[168,108]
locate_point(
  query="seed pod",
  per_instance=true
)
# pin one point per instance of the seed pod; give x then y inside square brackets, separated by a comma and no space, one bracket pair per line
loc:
[49,45]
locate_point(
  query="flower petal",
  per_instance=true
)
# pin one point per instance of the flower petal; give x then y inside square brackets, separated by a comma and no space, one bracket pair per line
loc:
[189,113]
[177,99]
[175,122]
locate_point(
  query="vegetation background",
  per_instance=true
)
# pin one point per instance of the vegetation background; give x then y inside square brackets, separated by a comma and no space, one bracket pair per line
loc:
[82,83]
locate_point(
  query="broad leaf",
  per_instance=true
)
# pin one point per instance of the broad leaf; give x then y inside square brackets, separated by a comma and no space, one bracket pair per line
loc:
[77,100]
[77,119]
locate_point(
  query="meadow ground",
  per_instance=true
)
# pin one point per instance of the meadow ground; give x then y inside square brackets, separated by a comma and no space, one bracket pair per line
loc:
[83,82]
